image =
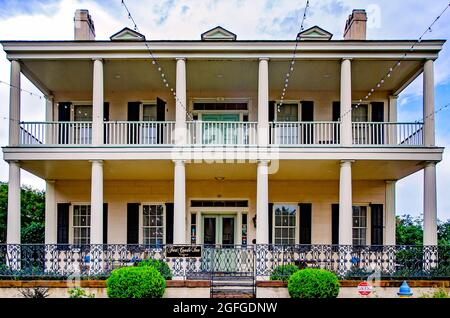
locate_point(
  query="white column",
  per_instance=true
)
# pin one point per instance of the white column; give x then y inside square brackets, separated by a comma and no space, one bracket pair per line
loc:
[50,213]
[14,104]
[393,119]
[389,237]
[97,202]
[346,103]
[97,103]
[13,219]
[262,202]
[428,103]
[179,228]
[49,105]
[263,102]
[345,203]
[180,103]
[429,205]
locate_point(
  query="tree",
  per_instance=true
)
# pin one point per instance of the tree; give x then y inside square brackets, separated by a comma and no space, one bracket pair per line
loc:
[32,205]
[409,231]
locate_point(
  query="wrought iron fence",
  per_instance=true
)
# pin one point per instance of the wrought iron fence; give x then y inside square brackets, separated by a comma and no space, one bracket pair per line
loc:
[58,261]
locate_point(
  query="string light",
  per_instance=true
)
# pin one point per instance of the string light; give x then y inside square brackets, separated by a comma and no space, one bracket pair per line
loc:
[156,63]
[23,90]
[292,63]
[398,63]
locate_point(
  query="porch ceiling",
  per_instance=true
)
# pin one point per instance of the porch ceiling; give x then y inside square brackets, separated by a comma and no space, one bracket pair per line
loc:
[216,75]
[163,170]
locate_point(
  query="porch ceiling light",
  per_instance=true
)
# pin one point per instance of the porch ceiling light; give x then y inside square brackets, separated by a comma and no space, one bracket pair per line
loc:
[117,76]
[219,75]
[219,178]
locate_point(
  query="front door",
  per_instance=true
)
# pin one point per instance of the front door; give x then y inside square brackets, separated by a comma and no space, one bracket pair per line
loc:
[219,129]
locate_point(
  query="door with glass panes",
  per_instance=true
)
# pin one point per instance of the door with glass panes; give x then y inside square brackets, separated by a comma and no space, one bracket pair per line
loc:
[287,132]
[220,129]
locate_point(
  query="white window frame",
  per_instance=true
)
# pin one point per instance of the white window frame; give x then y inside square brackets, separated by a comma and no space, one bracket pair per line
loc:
[152,102]
[293,101]
[297,220]
[368,220]
[71,223]
[141,220]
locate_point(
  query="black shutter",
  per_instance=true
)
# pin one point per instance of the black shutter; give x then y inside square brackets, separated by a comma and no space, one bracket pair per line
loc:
[378,116]
[133,115]
[105,118]
[271,118]
[335,224]
[336,115]
[132,223]
[169,223]
[62,236]
[160,116]
[270,216]
[376,224]
[308,115]
[305,223]
[63,115]
[105,223]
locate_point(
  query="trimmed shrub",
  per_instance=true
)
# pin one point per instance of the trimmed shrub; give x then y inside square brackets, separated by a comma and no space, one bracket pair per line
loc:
[313,283]
[283,272]
[135,282]
[160,265]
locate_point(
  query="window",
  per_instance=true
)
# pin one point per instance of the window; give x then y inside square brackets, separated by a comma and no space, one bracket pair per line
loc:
[81,224]
[359,225]
[287,133]
[285,222]
[83,132]
[193,228]
[153,224]
[244,229]
[360,114]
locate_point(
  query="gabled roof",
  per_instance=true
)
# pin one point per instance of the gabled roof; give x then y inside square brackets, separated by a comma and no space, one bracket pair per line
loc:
[315,33]
[218,34]
[126,34]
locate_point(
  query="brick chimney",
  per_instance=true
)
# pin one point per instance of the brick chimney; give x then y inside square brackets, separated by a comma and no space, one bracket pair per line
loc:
[355,27]
[83,26]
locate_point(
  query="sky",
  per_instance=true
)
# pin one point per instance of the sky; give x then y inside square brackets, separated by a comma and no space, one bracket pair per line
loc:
[249,19]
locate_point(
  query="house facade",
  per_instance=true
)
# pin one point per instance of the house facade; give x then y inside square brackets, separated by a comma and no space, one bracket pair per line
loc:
[236,152]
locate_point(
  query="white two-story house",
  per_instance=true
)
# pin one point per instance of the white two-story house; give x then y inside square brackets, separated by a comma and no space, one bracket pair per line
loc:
[211,142]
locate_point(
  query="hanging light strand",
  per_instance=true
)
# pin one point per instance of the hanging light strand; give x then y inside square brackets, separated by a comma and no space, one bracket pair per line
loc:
[397,64]
[23,90]
[157,65]
[292,60]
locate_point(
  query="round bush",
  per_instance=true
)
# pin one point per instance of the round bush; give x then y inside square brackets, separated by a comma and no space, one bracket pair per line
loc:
[283,272]
[313,283]
[160,266]
[135,282]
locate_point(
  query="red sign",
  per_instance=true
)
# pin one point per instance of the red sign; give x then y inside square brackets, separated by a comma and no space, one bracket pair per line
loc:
[364,288]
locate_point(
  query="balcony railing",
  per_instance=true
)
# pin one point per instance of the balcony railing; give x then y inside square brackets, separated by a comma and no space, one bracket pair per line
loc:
[153,133]
[393,134]
[401,262]
[139,132]
[207,133]
[304,133]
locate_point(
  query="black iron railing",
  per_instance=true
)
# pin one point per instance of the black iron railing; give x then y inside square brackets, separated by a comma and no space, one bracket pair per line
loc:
[58,261]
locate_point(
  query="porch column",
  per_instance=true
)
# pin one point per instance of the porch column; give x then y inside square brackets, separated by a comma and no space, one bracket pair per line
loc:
[13,219]
[392,129]
[14,104]
[179,219]
[346,103]
[428,103]
[49,104]
[97,104]
[180,103]
[262,202]
[97,202]
[263,102]
[345,203]
[429,204]
[50,213]
[390,220]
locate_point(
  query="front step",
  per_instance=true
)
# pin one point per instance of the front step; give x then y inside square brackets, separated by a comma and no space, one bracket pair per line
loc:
[232,285]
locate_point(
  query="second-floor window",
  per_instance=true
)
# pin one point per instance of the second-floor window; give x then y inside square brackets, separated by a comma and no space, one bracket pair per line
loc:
[149,130]
[287,133]
[83,132]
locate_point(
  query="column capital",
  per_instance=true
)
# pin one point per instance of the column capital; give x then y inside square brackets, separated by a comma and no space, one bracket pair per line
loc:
[264,59]
[430,163]
[180,59]
[51,181]
[97,59]
[393,96]
[390,181]
[263,162]
[346,59]
[346,161]
[179,162]
[98,161]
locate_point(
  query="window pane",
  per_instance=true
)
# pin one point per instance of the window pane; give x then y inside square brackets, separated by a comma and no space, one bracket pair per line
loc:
[149,112]
[83,113]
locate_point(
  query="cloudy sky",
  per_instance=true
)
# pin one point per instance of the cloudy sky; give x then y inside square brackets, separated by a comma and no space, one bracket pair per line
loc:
[249,19]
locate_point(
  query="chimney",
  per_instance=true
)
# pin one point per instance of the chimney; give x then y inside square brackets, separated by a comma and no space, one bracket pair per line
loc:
[83,26]
[355,27]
